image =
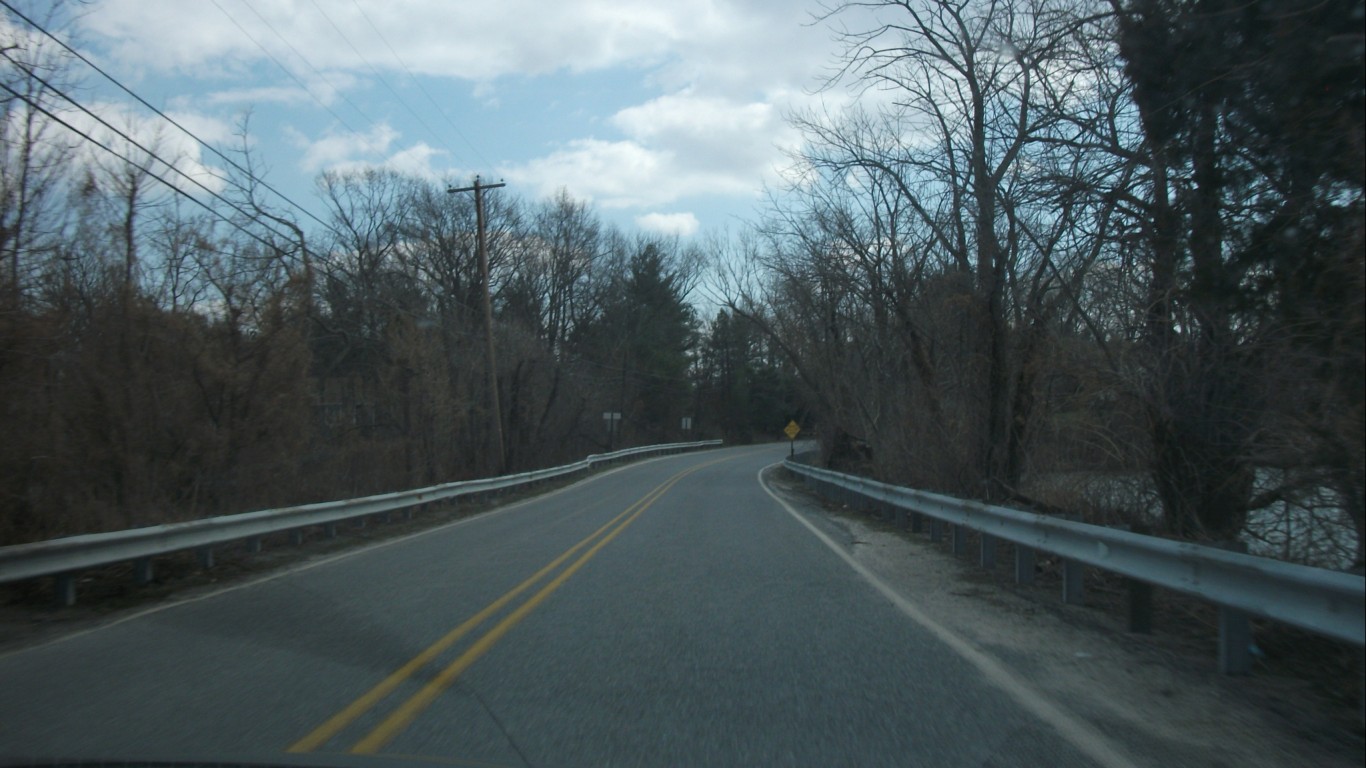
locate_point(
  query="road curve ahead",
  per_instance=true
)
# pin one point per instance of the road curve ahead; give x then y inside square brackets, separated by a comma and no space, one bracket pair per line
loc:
[671,612]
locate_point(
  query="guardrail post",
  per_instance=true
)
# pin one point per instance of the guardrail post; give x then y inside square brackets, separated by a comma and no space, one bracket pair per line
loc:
[142,570]
[1073,582]
[987,555]
[936,530]
[205,557]
[1235,641]
[66,589]
[254,545]
[1024,564]
[359,522]
[960,539]
[330,530]
[407,513]
[1235,630]
[1140,607]
[898,514]
[296,537]
[917,523]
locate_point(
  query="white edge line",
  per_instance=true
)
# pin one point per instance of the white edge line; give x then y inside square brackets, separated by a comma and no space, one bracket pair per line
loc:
[1080,734]
[329,560]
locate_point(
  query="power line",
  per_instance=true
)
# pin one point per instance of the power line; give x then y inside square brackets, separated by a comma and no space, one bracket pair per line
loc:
[305,60]
[283,68]
[49,114]
[420,86]
[135,143]
[163,115]
[375,71]
[214,150]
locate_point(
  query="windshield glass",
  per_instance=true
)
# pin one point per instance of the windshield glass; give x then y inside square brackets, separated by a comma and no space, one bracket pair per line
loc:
[944,382]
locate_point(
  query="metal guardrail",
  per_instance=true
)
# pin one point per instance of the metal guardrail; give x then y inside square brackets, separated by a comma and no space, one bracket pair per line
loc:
[64,556]
[1329,603]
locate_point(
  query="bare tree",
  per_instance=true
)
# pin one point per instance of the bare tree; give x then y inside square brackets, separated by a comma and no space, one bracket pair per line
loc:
[939,205]
[34,155]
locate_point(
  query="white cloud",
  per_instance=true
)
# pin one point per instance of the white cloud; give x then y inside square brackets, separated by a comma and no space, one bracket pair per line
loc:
[141,138]
[27,41]
[151,143]
[377,148]
[340,149]
[418,160]
[716,78]
[166,35]
[677,146]
[613,173]
[713,132]
[262,95]
[206,127]
[473,41]
[683,224]
[740,49]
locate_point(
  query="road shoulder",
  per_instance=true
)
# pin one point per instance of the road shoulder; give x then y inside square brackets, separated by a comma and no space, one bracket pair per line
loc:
[1161,703]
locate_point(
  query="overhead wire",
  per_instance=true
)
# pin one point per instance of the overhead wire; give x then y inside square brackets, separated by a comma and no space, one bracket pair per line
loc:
[283,68]
[214,150]
[374,70]
[161,114]
[339,92]
[57,119]
[149,152]
[422,88]
[440,110]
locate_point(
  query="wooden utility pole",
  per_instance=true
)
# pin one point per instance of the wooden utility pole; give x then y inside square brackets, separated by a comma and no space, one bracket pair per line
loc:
[497,415]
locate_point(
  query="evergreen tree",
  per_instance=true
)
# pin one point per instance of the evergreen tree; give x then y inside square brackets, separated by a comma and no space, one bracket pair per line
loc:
[646,335]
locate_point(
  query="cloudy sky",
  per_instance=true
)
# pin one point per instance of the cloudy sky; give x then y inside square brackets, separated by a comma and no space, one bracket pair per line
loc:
[667,115]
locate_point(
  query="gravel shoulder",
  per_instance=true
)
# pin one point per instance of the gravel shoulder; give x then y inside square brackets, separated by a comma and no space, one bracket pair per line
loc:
[1159,696]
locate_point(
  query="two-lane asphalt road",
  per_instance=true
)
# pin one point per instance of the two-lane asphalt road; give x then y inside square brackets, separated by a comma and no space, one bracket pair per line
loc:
[671,612]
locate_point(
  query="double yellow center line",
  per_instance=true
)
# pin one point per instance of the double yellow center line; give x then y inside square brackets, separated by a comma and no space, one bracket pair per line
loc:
[405,713]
